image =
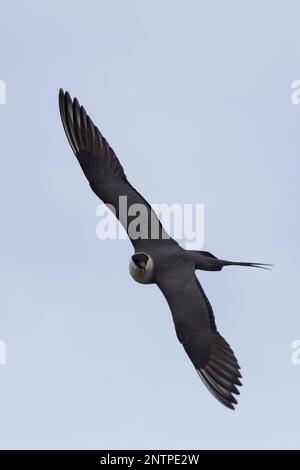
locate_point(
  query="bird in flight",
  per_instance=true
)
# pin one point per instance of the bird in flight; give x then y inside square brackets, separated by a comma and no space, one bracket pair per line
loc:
[157,257]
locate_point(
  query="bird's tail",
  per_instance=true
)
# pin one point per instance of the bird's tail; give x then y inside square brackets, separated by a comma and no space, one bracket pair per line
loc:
[239,263]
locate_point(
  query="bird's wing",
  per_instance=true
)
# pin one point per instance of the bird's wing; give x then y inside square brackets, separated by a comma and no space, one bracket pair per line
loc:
[105,173]
[196,330]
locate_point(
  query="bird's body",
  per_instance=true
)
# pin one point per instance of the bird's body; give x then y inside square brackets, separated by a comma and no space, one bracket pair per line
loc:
[158,258]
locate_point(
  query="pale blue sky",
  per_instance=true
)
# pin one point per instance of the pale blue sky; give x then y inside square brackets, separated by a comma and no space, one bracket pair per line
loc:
[194,96]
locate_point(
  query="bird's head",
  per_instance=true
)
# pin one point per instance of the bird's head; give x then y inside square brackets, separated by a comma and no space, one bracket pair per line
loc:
[141,268]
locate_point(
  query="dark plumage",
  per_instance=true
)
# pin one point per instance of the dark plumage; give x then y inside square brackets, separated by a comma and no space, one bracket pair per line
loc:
[159,259]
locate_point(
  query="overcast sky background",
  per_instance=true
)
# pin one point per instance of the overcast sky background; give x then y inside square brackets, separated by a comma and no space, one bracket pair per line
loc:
[195,98]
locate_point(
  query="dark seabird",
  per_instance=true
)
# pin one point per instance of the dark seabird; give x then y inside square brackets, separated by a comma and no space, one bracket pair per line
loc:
[158,258]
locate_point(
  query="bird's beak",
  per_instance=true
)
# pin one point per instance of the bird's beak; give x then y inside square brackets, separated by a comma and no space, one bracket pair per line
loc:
[141,265]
